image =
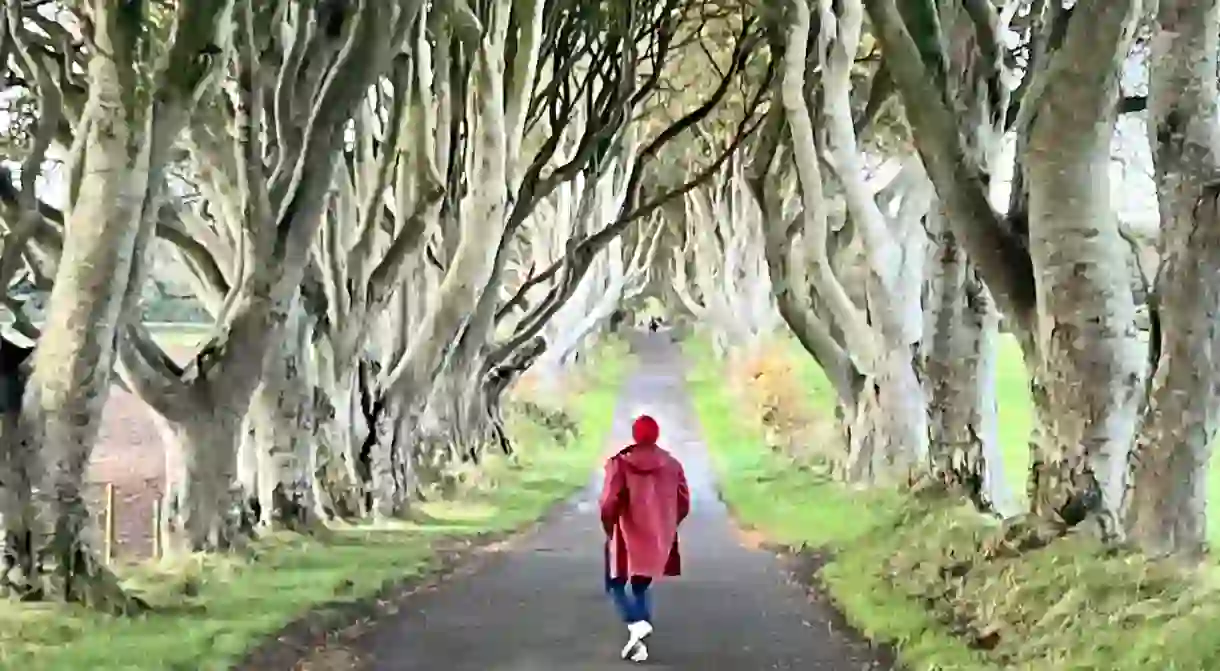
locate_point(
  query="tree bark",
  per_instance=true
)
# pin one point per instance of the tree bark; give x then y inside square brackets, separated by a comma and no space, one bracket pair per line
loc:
[482,225]
[17,466]
[1167,500]
[70,368]
[275,217]
[1091,359]
[281,413]
[952,143]
[959,371]
[205,509]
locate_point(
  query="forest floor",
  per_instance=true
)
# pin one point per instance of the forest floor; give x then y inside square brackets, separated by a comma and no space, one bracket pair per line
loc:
[538,603]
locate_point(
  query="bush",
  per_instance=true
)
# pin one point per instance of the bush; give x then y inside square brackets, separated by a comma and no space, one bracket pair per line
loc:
[773,391]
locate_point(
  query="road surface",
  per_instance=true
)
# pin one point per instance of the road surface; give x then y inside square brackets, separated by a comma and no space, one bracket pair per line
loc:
[539,605]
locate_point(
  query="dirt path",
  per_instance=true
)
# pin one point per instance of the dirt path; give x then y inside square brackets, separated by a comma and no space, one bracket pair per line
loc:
[539,605]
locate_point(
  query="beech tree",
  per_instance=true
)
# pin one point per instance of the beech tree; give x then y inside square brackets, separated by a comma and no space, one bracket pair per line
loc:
[1057,262]
[139,89]
[1167,494]
[720,272]
[873,365]
[302,69]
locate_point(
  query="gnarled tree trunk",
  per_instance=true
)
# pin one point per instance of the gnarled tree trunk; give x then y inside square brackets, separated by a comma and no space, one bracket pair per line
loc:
[281,414]
[880,335]
[132,117]
[960,371]
[1167,501]
[1092,362]
[272,221]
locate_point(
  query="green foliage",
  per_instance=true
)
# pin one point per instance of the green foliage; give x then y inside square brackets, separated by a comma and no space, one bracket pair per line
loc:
[210,609]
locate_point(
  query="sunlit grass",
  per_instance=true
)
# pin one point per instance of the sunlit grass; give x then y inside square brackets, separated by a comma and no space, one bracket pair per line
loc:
[208,611]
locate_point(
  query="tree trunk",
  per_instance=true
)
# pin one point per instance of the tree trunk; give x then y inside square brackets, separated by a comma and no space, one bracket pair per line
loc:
[959,371]
[17,467]
[391,452]
[865,433]
[1091,358]
[278,215]
[71,365]
[281,413]
[898,416]
[1167,502]
[481,228]
[205,508]
[336,433]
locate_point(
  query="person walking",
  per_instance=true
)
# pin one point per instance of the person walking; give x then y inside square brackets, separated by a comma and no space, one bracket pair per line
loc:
[644,499]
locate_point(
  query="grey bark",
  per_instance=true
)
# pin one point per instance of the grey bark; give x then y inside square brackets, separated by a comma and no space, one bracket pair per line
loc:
[282,416]
[959,371]
[1167,500]
[134,112]
[1091,361]
[275,216]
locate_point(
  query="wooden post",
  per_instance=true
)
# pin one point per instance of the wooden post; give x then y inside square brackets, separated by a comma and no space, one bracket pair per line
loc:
[157,550]
[108,547]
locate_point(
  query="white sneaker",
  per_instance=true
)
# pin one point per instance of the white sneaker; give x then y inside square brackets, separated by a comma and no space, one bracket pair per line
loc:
[641,653]
[637,632]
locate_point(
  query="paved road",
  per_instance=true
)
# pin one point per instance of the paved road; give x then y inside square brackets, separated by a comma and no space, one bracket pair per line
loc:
[539,606]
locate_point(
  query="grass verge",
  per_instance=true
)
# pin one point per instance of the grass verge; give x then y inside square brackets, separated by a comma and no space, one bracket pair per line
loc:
[949,589]
[211,610]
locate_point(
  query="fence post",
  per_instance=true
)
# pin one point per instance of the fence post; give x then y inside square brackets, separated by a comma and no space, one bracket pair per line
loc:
[108,547]
[157,550]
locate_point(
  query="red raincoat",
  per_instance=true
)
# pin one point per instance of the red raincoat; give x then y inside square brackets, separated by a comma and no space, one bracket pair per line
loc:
[644,499]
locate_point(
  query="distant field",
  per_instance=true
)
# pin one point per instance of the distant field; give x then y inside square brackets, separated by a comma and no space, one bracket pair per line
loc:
[179,339]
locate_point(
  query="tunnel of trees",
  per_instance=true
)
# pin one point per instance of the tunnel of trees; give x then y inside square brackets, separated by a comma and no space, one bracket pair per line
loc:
[387,211]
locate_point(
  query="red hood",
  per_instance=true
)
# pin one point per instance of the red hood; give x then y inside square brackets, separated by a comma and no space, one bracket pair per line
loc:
[643,458]
[645,430]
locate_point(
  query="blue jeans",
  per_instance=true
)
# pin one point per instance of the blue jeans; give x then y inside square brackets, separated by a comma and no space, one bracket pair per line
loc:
[635,606]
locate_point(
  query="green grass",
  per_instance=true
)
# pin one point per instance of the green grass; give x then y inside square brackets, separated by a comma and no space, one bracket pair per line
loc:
[238,601]
[1014,409]
[1071,605]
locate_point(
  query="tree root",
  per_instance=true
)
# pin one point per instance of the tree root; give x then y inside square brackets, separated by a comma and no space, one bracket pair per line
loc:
[73,576]
[1020,535]
[96,588]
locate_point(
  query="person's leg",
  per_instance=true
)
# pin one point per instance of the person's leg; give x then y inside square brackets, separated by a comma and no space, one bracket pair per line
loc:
[639,624]
[643,598]
[627,605]
[617,587]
